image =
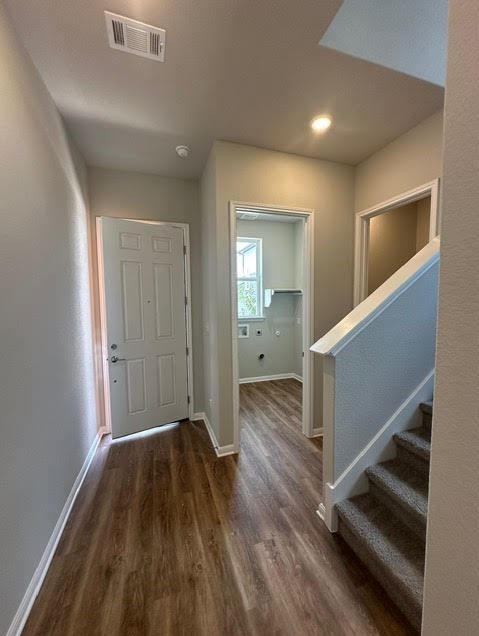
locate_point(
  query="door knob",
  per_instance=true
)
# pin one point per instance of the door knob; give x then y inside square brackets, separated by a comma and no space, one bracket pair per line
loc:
[116,359]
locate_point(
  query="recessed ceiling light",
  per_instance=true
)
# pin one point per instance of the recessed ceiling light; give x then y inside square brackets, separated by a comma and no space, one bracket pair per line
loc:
[321,124]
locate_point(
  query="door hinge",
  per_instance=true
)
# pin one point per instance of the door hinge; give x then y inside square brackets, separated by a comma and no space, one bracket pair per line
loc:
[186,300]
[189,399]
[184,250]
[187,351]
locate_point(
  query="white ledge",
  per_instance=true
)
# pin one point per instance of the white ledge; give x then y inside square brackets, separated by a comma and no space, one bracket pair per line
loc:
[350,326]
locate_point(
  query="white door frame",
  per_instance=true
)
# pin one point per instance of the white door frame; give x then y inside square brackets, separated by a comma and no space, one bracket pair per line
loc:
[363,218]
[185,227]
[308,310]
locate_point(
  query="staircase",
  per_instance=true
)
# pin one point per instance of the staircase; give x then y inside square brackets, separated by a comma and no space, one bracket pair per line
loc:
[387,526]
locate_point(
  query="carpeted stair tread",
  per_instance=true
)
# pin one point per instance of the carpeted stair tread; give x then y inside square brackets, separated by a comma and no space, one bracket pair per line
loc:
[416,441]
[393,553]
[426,407]
[406,487]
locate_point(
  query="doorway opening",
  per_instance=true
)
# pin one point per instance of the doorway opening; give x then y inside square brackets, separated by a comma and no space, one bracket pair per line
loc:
[390,234]
[272,312]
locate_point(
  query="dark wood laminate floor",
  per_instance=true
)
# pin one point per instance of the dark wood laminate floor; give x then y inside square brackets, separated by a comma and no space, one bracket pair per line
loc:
[165,538]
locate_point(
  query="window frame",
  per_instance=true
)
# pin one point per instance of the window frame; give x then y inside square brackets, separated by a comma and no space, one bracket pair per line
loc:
[258,278]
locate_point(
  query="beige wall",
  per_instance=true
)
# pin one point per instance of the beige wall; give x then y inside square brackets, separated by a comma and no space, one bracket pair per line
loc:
[452,549]
[392,242]
[133,195]
[394,238]
[245,173]
[422,226]
[406,163]
[47,394]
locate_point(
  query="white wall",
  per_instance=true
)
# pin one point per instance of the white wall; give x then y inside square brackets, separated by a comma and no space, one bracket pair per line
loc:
[244,173]
[452,550]
[279,242]
[47,391]
[134,195]
[406,163]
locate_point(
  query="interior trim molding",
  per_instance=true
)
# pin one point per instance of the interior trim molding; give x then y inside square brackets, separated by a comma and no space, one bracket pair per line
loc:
[268,378]
[307,216]
[31,593]
[321,511]
[376,303]
[221,451]
[363,218]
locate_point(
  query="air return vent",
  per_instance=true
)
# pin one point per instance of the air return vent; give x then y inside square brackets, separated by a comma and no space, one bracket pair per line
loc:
[135,37]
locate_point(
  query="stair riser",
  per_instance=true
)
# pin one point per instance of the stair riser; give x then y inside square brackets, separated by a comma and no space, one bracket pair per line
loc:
[417,525]
[399,595]
[427,420]
[415,461]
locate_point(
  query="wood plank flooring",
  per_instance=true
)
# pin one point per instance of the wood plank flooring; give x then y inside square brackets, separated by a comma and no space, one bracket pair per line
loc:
[165,538]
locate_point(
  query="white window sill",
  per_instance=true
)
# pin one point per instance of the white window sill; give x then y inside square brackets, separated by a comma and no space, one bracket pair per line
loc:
[257,319]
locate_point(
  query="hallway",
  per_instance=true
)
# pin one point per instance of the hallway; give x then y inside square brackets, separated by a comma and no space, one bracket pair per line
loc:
[165,538]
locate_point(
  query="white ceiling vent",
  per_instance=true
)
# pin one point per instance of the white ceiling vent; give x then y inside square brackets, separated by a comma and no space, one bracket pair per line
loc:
[135,37]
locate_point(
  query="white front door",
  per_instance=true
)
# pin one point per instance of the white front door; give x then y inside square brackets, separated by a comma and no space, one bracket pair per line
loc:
[145,296]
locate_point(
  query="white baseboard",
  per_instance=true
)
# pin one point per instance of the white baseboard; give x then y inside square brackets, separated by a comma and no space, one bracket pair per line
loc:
[381,448]
[35,584]
[321,511]
[221,451]
[268,378]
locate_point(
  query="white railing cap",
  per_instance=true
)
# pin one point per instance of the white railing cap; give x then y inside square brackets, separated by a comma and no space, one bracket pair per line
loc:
[352,324]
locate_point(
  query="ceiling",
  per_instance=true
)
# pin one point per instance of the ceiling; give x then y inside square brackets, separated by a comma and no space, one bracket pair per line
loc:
[409,36]
[246,71]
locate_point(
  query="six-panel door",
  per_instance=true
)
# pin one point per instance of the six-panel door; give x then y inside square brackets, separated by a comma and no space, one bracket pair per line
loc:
[146,324]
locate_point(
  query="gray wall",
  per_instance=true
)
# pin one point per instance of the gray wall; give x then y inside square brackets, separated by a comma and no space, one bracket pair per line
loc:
[209,276]
[280,243]
[244,173]
[452,552]
[133,195]
[406,163]
[47,391]
[379,369]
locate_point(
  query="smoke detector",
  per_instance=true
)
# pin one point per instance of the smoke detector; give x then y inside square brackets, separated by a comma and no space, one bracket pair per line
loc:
[135,37]
[183,151]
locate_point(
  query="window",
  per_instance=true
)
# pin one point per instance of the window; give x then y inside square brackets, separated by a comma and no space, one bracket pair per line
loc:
[249,278]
